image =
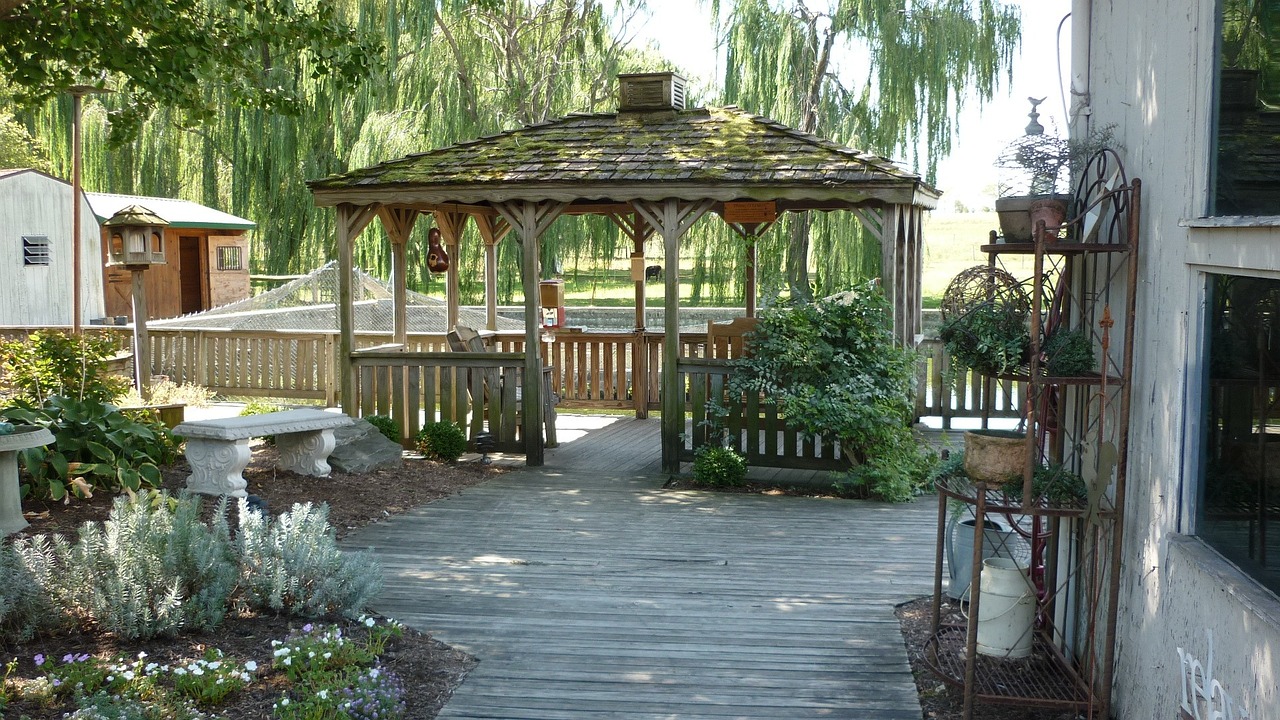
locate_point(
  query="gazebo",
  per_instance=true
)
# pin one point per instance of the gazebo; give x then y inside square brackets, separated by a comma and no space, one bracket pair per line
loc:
[653,166]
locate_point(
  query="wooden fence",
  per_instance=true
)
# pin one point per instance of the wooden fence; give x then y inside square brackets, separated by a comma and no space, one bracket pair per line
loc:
[588,370]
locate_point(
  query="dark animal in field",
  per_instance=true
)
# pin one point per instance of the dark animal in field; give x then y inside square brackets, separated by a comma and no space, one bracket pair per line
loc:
[653,272]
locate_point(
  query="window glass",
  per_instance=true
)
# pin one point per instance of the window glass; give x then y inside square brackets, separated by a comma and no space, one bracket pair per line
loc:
[1247,177]
[1240,503]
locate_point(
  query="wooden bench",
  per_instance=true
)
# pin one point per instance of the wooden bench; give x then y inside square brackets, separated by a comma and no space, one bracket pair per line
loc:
[465,339]
[218,450]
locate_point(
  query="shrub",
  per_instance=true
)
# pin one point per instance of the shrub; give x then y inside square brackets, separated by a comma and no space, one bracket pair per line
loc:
[50,362]
[1069,353]
[293,564]
[166,392]
[833,368]
[441,440]
[389,428]
[151,569]
[96,447]
[25,608]
[719,466]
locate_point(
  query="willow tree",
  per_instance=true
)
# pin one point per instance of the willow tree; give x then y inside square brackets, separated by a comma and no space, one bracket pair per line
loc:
[886,76]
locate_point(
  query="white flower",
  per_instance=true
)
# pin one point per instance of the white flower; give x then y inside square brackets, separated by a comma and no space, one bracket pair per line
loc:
[311,654]
[179,671]
[282,651]
[326,655]
[142,654]
[323,694]
[251,666]
[369,622]
[214,665]
[128,675]
[373,673]
[284,701]
[288,661]
[197,670]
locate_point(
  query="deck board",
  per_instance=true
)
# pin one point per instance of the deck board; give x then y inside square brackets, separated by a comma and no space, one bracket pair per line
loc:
[588,591]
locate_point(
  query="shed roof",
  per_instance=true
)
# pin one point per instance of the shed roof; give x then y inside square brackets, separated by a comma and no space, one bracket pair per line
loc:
[178,213]
[704,153]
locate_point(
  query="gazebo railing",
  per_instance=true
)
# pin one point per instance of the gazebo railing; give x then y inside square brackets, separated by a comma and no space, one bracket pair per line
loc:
[589,370]
[478,391]
[752,424]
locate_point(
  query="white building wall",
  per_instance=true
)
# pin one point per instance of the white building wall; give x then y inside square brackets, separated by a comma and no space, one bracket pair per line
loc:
[32,203]
[1152,73]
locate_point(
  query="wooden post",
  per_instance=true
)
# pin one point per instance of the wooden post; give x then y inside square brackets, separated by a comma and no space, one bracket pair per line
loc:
[451,225]
[398,222]
[141,343]
[492,230]
[530,220]
[671,218]
[351,220]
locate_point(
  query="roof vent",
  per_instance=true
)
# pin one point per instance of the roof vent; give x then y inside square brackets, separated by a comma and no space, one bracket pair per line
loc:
[642,92]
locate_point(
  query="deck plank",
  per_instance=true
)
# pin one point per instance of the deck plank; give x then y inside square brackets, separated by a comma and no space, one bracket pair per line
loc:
[588,591]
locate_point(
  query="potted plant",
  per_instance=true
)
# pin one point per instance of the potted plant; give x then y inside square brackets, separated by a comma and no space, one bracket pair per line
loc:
[1036,183]
[989,338]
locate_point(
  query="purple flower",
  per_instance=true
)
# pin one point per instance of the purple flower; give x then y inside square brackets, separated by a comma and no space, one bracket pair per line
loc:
[307,628]
[39,658]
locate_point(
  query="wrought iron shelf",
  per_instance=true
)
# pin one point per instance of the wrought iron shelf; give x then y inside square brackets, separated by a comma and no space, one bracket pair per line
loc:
[1023,374]
[1055,248]
[1044,679]
[997,501]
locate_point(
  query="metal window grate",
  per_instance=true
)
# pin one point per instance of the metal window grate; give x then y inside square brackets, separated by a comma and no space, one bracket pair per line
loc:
[35,250]
[230,258]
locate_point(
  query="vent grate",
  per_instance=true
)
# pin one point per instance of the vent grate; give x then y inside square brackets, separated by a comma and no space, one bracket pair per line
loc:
[35,250]
[651,91]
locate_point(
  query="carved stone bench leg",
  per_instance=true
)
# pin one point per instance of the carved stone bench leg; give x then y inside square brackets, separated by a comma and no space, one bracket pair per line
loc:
[217,466]
[306,453]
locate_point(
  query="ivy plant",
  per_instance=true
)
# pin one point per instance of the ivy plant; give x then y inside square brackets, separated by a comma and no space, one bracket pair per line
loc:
[832,367]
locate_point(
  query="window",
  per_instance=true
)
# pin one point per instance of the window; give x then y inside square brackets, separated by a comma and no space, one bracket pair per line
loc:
[1247,174]
[1240,464]
[229,258]
[35,250]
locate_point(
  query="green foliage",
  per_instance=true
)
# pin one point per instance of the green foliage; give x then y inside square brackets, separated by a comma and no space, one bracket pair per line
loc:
[441,440]
[1069,353]
[389,428]
[293,564]
[25,608]
[49,362]
[989,339]
[719,466]
[207,681]
[167,392]
[96,448]
[1054,483]
[153,568]
[186,57]
[833,368]
[332,670]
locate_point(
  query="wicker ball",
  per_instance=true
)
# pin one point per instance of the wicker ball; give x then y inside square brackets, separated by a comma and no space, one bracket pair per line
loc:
[984,285]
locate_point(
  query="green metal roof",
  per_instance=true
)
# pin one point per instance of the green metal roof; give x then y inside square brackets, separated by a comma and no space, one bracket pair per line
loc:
[178,213]
[624,156]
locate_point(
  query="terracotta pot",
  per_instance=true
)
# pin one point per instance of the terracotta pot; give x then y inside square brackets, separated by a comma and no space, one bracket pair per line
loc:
[1015,215]
[1051,211]
[994,456]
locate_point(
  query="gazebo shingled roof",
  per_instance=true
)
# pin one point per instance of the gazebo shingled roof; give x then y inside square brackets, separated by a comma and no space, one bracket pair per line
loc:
[653,167]
[716,153]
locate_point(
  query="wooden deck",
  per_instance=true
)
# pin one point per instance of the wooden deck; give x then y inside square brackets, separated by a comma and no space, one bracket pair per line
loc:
[588,591]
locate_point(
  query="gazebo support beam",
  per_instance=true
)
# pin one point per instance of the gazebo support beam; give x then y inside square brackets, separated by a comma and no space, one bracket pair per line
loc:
[672,219]
[492,231]
[751,232]
[351,220]
[529,220]
[398,222]
[451,225]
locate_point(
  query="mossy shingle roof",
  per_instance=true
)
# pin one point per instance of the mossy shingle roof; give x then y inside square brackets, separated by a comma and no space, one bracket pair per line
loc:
[618,155]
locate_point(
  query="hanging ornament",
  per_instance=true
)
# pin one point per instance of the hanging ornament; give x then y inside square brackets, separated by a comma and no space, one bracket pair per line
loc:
[437,258]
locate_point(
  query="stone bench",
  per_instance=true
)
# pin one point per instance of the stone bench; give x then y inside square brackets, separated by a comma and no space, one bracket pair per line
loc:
[218,450]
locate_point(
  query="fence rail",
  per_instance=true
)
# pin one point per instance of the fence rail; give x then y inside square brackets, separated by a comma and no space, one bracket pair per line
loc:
[588,370]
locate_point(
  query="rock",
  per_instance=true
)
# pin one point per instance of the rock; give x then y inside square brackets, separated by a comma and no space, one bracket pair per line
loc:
[361,448]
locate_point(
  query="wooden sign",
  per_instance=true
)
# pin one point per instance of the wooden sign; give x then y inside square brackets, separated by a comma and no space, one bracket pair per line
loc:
[750,212]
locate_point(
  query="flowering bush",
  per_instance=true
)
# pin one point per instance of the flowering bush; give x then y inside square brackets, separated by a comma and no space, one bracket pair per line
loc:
[209,680]
[375,694]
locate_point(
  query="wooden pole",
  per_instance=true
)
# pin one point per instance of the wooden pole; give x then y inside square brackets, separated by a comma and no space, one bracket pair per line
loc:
[491,231]
[351,220]
[141,343]
[75,216]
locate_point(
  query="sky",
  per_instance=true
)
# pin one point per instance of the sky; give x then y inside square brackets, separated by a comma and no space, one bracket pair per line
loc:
[681,29]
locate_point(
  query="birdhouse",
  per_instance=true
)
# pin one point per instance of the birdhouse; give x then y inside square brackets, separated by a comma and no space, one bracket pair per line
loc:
[136,237]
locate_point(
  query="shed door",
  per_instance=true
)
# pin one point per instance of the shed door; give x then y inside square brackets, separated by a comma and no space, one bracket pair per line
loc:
[189,266]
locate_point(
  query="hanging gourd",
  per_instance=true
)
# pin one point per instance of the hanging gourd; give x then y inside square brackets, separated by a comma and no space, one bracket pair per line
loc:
[437,258]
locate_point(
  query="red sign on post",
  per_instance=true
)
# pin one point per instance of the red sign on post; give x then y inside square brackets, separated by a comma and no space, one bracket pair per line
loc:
[750,212]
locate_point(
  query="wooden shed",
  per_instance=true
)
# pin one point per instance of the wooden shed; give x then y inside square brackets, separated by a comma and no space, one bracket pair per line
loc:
[206,258]
[36,252]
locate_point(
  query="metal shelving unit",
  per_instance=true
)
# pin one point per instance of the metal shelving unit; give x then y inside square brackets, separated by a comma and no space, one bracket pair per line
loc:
[1085,274]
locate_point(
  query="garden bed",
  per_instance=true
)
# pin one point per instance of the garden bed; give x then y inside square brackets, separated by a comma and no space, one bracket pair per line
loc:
[428,670]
